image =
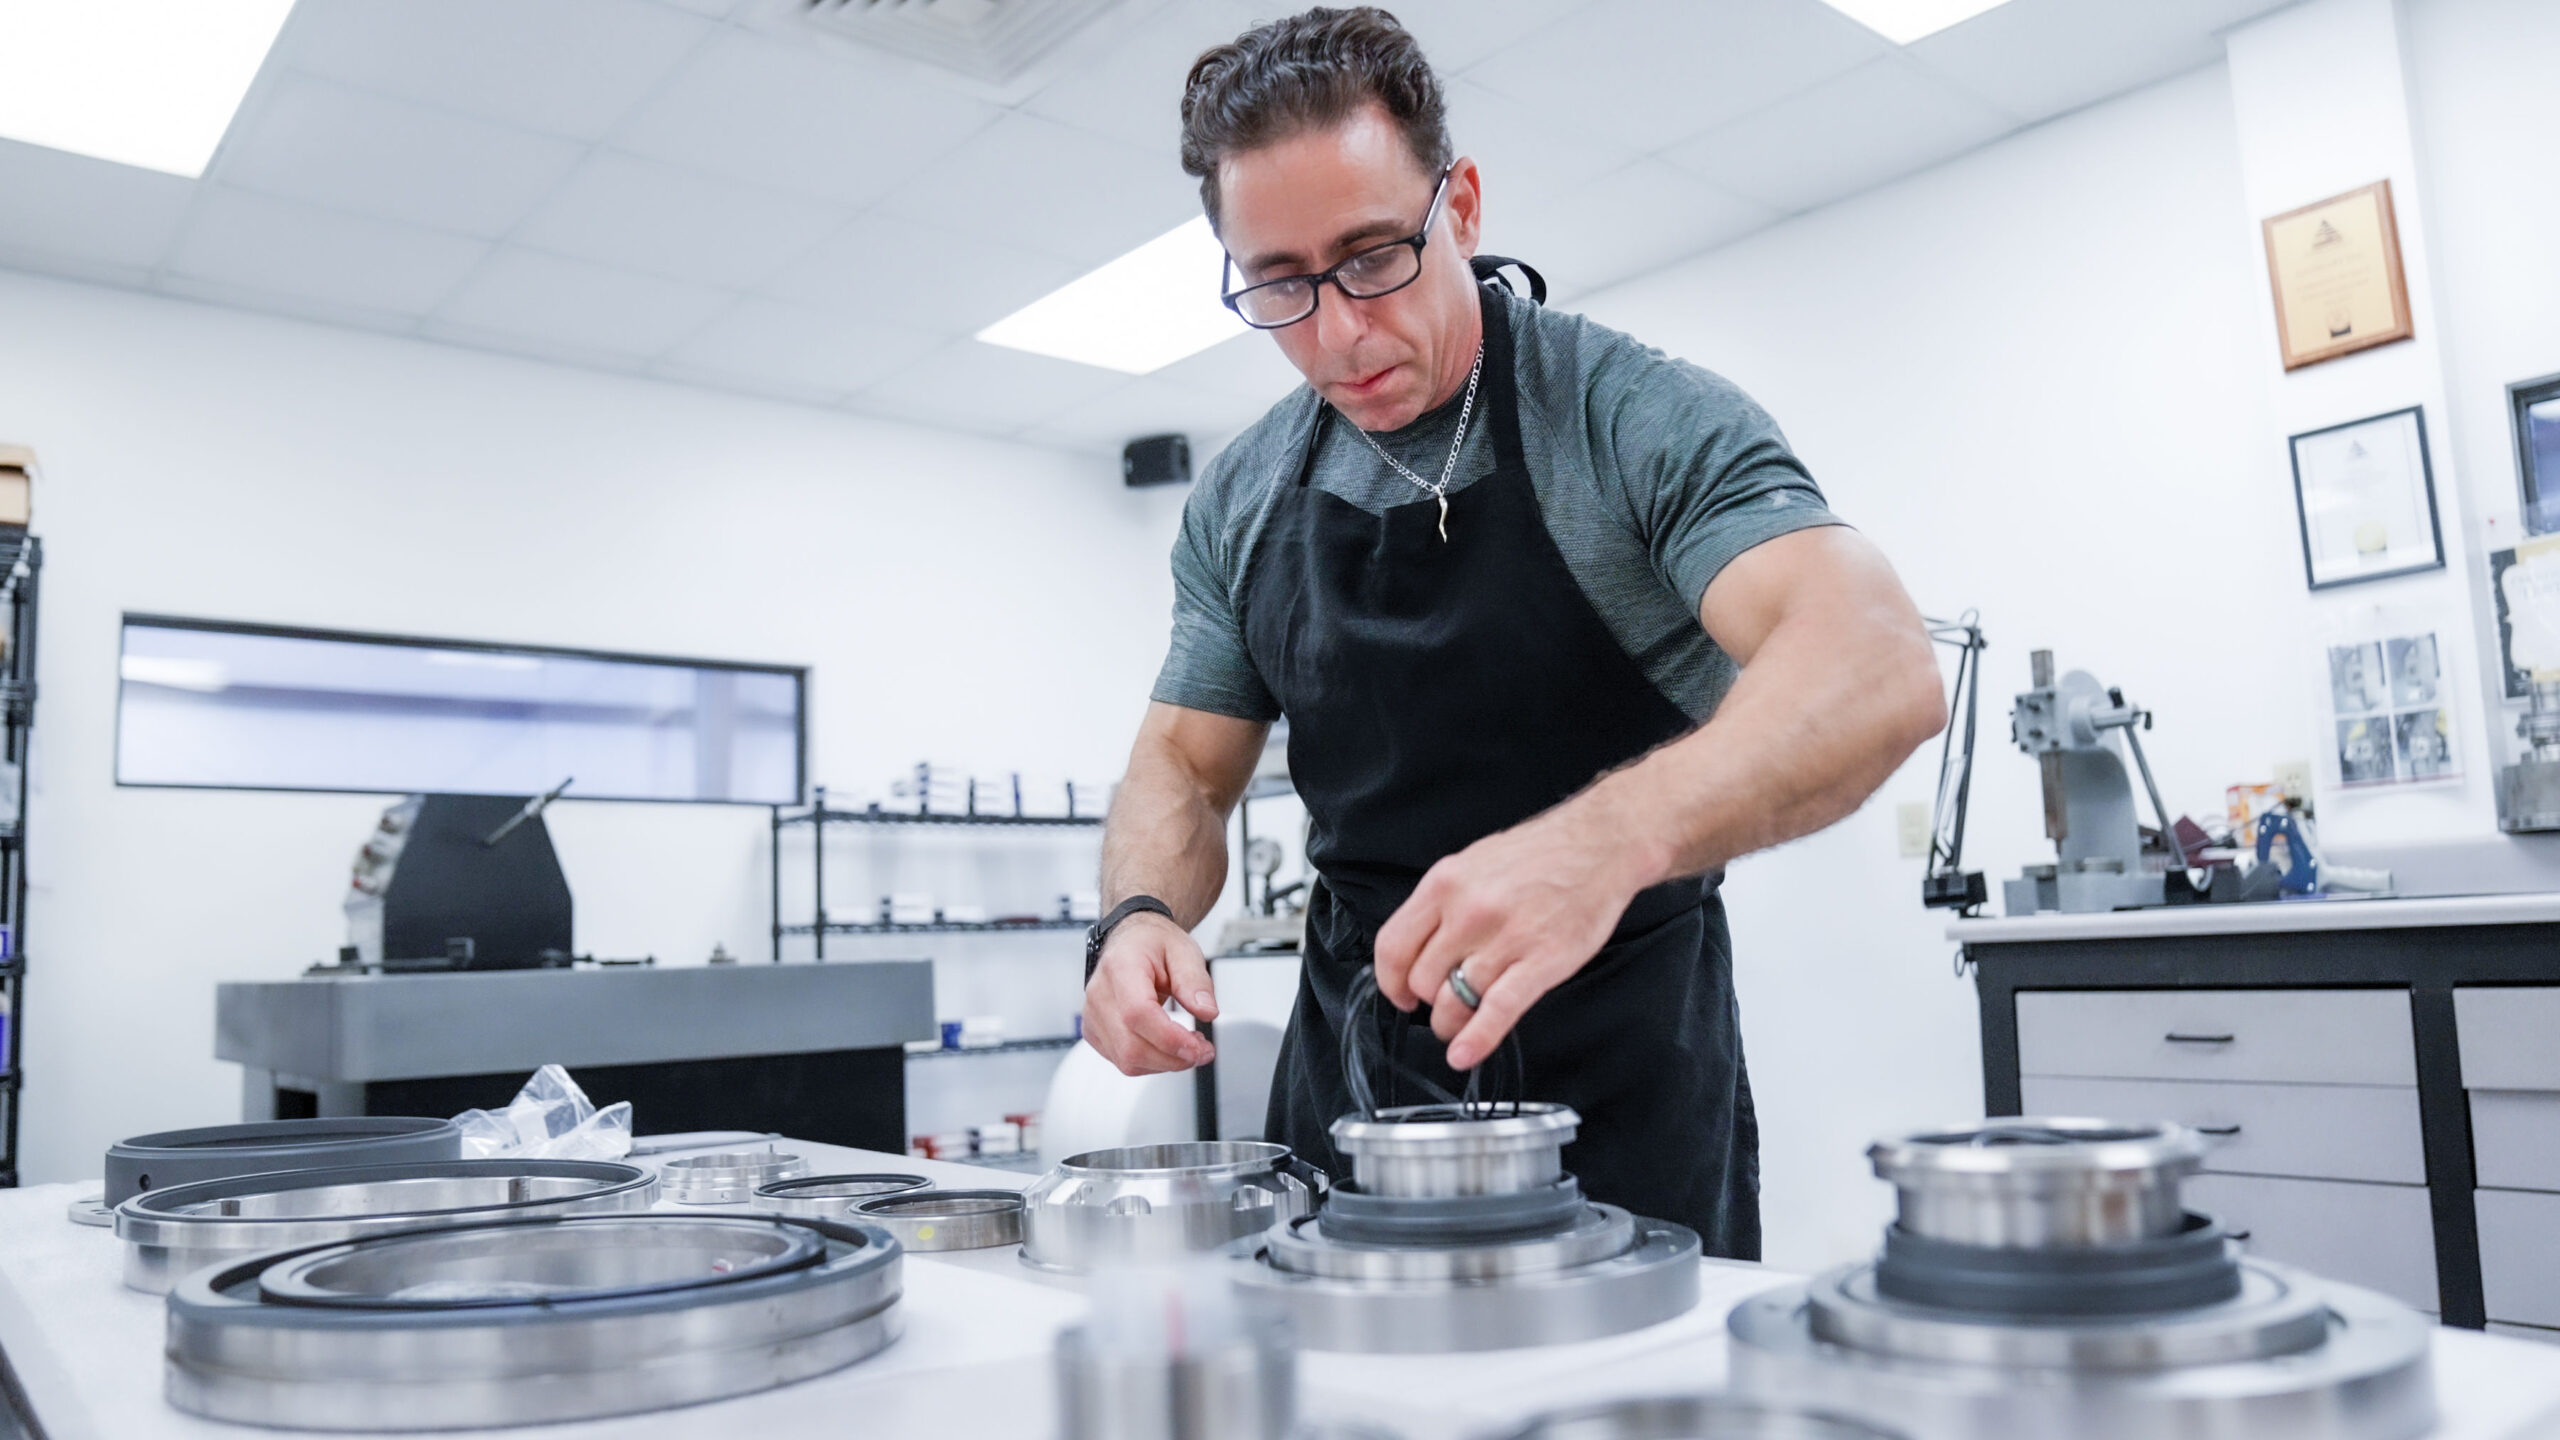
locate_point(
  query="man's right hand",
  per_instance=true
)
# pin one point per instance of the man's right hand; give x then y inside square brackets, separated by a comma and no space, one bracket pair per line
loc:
[1147,961]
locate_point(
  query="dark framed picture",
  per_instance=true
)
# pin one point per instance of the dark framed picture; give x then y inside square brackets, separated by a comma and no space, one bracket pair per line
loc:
[2535,404]
[2366,495]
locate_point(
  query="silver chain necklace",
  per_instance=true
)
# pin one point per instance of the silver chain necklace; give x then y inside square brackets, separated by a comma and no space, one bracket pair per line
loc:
[1449,468]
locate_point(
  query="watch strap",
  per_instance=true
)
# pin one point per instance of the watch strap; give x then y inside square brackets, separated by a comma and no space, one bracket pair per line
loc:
[1101,931]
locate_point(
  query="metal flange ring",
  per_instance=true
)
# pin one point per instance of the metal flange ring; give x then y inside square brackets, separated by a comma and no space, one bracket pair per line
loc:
[831,1197]
[529,1322]
[928,1220]
[727,1177]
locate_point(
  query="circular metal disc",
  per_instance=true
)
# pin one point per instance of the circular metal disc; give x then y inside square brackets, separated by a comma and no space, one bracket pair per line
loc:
[728,1177]
[1696,1417]
[168,1233]
[92,1210]
[1302,1247]
[576,1341]
[2272,1315]
[2367,1380]
[1654,1280]
[948,1219]
[831,1197]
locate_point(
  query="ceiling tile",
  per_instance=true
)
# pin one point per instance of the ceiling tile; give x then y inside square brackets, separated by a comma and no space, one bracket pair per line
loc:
[836,126]
[2039,58]
[917,276]
[1885,119]
[1525,155]
[568,67]
[641,215]
[1648,74]
[283,247]
[1247,367]
[322,142]
[761,340]
[1149,405]
[1627,222]
[1125,80]
[1033,182]
[530,295]
[1458,33]
[985,388]
[87,216]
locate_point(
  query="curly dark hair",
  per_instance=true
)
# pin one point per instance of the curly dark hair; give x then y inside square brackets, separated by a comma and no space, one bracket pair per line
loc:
[1306,72]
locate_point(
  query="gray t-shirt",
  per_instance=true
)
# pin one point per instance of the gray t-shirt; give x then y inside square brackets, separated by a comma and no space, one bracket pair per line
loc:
[1651,473]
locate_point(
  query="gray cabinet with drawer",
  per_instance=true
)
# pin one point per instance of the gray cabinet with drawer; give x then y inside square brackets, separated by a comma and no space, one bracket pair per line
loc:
[2319,1041]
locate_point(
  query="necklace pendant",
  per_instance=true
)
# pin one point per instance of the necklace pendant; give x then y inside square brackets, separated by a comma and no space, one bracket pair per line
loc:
[1444,518]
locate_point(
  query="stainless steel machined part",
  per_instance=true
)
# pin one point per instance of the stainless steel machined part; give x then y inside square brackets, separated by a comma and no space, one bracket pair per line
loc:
[2040,1181]
[831,1197]
[1247,1390]
[182,1157]
[1697,1417]
[2276,1313]
[1433,1151]
[1302,1248]
[927,1220]
[1654,1280]
[170,1233]
[1159,1202]
[726,1177]
[91,1210]
[529,1322]
[2368,1379]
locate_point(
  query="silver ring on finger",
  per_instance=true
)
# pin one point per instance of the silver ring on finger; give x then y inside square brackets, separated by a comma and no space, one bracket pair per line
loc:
[1465,992]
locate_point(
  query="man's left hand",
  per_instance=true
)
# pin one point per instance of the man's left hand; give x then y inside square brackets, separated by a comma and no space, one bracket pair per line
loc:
[1522,910]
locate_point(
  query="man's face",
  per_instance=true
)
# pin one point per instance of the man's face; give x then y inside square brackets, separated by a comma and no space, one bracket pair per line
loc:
[1299,206]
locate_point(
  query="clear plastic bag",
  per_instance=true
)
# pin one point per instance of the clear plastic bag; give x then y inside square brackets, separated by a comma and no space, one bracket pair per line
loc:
[550,1119]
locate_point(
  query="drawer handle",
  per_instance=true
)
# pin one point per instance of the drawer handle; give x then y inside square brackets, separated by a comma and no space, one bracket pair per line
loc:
[2241,1236]
[2217,1129]
[2174,1038]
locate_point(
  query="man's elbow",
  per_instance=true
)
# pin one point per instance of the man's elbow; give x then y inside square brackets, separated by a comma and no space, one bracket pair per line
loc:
[1917,704]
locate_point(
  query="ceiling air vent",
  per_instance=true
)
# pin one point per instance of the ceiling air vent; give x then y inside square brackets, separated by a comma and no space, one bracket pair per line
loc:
[988,40]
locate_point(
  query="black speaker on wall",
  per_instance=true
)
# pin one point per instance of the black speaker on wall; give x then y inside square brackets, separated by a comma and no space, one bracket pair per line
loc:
[1156,460]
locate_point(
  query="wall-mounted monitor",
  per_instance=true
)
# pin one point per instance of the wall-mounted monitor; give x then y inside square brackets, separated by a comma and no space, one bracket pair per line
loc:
[209,704]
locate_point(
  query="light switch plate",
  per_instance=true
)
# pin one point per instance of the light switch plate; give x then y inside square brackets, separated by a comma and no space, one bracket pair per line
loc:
[1911,829]
[2293,777]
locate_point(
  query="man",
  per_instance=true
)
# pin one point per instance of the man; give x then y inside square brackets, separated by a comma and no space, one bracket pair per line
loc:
[1560,628]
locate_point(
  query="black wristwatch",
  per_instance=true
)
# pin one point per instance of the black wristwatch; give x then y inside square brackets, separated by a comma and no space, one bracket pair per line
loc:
[1101,931]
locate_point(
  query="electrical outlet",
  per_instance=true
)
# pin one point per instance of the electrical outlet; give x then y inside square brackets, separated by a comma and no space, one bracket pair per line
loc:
[2293,777]
[1911,829]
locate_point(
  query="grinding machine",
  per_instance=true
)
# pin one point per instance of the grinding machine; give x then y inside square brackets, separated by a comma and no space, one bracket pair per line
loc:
[1460,1230]
[2043,1277]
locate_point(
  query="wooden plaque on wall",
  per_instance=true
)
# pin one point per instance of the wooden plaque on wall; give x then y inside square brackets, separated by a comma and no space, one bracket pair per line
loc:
[2335,269]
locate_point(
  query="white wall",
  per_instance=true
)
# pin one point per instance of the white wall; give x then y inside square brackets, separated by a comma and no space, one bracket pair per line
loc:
[2027,376]
[958,599]
[2043,377]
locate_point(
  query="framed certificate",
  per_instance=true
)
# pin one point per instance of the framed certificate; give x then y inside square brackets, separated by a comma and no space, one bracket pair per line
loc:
[2367,500]
[2535,405]
[2339,286]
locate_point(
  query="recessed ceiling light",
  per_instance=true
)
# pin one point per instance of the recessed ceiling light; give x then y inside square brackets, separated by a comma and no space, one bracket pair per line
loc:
[1903,21]
[1136,314]
[140,82]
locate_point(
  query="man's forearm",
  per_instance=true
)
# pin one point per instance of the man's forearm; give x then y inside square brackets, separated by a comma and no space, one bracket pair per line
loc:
[1827,709]
[1167,837]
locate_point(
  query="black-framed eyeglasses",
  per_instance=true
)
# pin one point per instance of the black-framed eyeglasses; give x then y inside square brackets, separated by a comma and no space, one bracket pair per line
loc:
[1379,270]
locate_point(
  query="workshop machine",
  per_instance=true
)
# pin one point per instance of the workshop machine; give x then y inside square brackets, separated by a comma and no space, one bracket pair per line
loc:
[2071,726]
[460,882]
[2529,790]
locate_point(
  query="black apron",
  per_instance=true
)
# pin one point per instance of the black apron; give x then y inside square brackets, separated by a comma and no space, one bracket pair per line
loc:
[1438,692]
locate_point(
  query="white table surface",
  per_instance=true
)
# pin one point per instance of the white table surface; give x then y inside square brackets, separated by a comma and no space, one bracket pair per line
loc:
[2269,918]
[973,1364]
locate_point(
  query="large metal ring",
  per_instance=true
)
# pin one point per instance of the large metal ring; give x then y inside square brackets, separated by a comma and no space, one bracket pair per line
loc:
[1465,992]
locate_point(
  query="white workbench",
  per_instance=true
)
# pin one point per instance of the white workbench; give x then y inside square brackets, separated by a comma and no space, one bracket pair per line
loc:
[2274,917]
[973,1364]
